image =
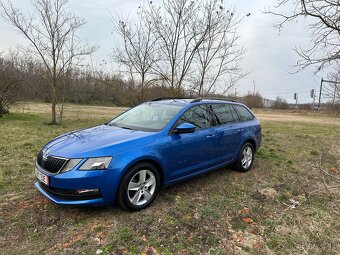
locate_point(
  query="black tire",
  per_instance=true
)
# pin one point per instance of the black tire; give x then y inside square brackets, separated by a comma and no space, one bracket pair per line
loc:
[133,176]
[242,167]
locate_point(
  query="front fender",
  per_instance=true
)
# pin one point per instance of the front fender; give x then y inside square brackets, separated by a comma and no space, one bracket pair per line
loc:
[126,159]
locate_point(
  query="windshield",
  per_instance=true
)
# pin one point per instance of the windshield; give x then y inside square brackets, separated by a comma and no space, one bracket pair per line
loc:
[147,117]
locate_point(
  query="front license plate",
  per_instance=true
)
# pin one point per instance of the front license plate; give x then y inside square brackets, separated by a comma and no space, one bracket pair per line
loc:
[41,177]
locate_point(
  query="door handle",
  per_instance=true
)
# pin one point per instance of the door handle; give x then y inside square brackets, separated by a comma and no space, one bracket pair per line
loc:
[210,136]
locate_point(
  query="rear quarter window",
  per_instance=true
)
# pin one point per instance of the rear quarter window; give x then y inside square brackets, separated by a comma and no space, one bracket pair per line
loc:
[243,113]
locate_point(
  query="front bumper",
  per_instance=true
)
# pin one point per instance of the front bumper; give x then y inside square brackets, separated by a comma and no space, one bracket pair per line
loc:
[67,200]
[62,187]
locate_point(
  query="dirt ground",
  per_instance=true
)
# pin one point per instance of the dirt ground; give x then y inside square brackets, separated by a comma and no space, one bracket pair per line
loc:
[298,117]
[71,111]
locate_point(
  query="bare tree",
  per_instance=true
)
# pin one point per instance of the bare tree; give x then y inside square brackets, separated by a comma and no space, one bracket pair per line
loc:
[176,24]
[138,55]
[182,43]
[324,16]
[218,55]
[9,82]
[51,31]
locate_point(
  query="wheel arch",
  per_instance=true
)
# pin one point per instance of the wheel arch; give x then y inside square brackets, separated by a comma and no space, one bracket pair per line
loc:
[152,161]
[252,142]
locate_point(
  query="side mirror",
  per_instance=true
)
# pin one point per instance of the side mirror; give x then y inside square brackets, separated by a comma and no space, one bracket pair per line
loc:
[185,128]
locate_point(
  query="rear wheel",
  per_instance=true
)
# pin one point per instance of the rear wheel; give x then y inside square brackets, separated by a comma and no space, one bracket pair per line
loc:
[246,158]
[139,187]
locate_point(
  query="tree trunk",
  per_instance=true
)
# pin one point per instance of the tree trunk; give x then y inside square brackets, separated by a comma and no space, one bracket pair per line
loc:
[53,102]
[54,119]
[172,91]
[142,91]
[1,108]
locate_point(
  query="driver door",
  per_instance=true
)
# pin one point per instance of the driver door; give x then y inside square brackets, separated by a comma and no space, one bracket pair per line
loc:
[192,152]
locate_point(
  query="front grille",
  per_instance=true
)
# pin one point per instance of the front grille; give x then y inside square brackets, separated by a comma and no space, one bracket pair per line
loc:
[68,194]
[51,164]
[39,158]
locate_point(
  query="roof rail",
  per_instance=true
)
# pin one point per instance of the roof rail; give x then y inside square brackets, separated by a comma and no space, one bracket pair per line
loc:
[169,98]
[194,100]
[213,98]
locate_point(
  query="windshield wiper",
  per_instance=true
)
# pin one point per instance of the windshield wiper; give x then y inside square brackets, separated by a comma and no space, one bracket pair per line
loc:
[116,125]
[125,127]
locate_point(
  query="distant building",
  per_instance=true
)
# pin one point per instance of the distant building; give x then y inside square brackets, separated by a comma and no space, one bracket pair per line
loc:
[268,103]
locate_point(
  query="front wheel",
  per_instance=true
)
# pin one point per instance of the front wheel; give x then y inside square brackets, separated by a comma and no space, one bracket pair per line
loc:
[139,187]
[246,158]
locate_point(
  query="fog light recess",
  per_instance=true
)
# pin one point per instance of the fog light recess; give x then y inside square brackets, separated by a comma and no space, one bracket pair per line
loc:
[87,191]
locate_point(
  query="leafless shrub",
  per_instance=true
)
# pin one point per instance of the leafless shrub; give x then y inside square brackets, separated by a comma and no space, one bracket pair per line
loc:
[280,103]
[253,100]
[328,181]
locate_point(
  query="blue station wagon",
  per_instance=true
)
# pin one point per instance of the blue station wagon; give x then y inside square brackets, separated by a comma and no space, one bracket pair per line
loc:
[155,144]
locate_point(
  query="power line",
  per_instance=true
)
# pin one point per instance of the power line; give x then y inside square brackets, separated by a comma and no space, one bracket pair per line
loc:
[285,89]
[286,93]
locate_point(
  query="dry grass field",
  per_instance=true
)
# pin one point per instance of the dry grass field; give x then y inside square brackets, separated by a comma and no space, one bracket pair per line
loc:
[287,204]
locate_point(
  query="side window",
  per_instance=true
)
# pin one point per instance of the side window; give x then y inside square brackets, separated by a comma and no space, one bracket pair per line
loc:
[237,119]
[223,113]
[243,113]
[198,116]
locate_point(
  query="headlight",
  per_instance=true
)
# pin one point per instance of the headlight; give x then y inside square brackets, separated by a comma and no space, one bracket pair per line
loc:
[96,163]
[72,163]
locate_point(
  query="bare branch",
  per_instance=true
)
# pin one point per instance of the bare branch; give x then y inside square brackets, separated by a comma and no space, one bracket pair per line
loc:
[324,17]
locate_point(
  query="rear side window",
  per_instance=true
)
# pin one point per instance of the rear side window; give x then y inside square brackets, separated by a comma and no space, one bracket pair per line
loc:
[244,113]
[198,116]
[223,113]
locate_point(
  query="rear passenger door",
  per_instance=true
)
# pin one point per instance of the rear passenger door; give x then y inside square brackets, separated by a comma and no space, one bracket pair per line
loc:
[228,133]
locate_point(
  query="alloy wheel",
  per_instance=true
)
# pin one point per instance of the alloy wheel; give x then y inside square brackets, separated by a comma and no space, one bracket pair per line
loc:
[141,187]
[247,157]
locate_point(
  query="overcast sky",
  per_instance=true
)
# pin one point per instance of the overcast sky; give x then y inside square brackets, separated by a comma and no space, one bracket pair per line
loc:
[269,55]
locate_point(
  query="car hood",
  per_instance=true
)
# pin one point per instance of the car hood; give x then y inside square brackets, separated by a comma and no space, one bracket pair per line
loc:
[97,141]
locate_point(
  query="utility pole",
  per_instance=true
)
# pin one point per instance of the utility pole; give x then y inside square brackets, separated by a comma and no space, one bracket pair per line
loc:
[335,88]
[296,98]
[253,94]
[254,88]
[312,95]
[320,93]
